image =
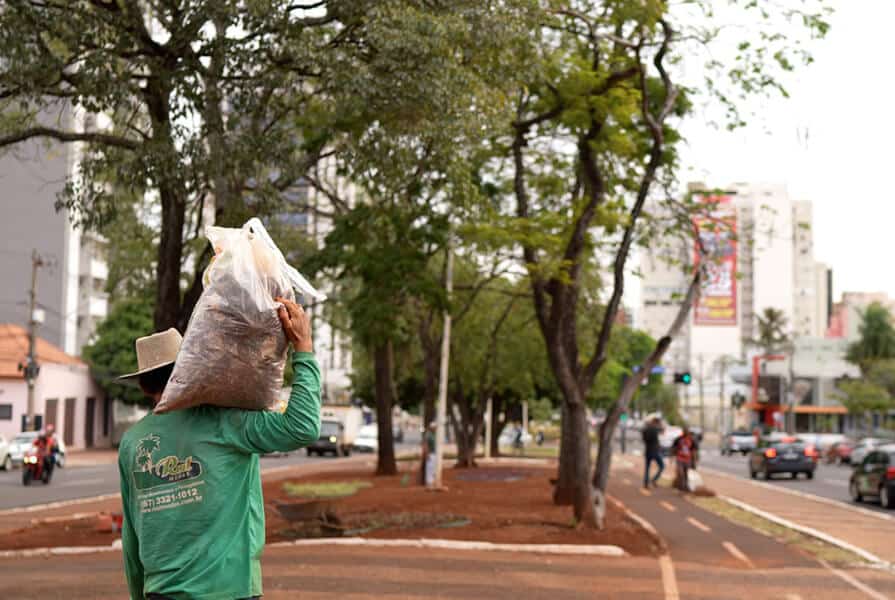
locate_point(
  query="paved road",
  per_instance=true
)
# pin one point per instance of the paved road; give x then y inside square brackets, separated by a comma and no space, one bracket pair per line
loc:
[716,558]
[830,481]
[86,481]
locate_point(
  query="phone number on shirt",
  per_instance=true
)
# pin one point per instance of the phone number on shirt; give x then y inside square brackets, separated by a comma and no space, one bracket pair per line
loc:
[166,499]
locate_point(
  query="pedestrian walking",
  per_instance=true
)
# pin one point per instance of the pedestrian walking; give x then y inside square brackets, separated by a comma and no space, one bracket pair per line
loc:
[652,452]
[686,452]
[191,481]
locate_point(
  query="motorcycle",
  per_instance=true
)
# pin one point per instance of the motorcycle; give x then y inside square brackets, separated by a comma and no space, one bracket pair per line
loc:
[35,468]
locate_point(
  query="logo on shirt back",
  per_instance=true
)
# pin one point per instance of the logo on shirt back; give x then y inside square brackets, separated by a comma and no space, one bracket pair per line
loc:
[169,469]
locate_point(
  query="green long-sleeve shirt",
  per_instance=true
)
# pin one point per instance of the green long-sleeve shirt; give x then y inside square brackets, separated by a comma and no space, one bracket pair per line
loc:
[191,492]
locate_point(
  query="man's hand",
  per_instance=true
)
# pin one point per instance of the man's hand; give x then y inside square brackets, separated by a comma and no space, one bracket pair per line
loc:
[296,325]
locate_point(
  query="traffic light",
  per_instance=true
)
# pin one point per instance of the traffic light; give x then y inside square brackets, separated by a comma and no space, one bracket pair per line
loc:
[683,377]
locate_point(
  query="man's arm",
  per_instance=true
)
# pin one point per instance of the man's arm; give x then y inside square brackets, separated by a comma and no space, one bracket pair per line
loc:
[130,545]
[264,432]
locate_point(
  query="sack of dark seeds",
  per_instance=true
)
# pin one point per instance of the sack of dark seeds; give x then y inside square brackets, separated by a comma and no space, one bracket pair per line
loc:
[234,349]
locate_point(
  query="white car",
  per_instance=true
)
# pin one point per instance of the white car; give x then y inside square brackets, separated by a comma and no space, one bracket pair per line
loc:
[864,447]
[367,439]
[5,458]
[24,441]
[509,434]
[667,437]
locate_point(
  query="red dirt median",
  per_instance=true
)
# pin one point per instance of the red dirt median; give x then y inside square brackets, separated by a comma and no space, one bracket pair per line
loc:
[510,505]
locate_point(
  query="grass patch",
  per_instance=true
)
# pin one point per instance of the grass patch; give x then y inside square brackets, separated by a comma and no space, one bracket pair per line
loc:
[334,489]
[815,547]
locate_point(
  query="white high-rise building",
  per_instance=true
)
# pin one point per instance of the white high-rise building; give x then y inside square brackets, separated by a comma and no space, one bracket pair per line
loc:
[71,282]
[771,265]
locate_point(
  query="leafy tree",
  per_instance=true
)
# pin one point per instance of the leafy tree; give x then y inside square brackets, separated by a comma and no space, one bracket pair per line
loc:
[594,137]
[862,396]
[773,336]
[877,338]
[112,353]
[225,102]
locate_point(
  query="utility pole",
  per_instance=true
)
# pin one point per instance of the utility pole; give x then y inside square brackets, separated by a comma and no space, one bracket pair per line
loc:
[441,412]
[725,405]
[31,367]
[701,398]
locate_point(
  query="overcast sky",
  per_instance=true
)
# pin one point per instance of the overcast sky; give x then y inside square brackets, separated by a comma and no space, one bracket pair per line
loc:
[829,143]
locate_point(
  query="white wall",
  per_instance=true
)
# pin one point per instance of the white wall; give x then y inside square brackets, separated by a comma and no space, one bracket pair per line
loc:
[60,382]
[773,265]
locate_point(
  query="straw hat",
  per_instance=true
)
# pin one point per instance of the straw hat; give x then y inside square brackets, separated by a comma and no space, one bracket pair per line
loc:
[156,351]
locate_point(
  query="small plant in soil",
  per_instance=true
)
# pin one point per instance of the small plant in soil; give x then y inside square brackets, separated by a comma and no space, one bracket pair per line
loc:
[333,489]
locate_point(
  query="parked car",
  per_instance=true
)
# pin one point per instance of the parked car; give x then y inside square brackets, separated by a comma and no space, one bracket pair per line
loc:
[875,476]
[782,454]
[509,434]
[864,447]
[741,441]
[330,440]
[667,437]
[840,452]
[5,458]
[23,442]
[367,439]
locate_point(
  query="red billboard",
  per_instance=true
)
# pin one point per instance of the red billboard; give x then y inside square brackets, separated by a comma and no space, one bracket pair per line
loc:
[716,231]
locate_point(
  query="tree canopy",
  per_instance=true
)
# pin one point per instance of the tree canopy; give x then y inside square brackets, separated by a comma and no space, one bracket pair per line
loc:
[112,353]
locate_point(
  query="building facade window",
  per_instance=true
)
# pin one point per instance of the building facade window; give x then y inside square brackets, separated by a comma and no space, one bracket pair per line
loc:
[5,412]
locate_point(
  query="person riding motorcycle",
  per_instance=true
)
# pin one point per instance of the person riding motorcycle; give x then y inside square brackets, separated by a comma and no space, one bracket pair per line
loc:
[47,448]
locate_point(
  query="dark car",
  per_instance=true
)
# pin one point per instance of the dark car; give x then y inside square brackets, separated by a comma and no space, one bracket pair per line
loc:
[782,455]
[875,476]
[329,441]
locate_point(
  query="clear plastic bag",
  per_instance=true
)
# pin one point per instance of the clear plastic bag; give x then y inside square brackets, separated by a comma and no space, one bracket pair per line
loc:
[234,349]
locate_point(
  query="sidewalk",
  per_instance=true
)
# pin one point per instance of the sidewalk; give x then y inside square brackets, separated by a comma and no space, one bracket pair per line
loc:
[872,532]
[90,457]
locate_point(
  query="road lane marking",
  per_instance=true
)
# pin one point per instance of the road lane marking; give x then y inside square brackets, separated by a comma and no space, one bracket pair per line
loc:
[669,581]
[793,597]
[738,554]
[853,582]
[645,492]
[698,525]
[667,506]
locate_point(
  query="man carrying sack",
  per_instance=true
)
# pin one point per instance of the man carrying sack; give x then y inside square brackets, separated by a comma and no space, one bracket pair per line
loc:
[191,482]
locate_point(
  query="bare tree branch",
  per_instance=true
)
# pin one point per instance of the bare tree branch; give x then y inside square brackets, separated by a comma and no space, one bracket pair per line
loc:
[68,136]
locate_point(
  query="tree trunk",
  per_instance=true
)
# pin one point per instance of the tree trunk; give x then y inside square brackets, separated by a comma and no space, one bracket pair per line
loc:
[170,254]
[607,429]
[564,491]
[468,430]
[582,494]
[497,424]
[383,366]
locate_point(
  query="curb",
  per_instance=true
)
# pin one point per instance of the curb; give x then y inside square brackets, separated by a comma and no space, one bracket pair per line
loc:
[868,556]
[59,504]
[564,549]
[62,550]
[657,538]
[580,549]
[805,495]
